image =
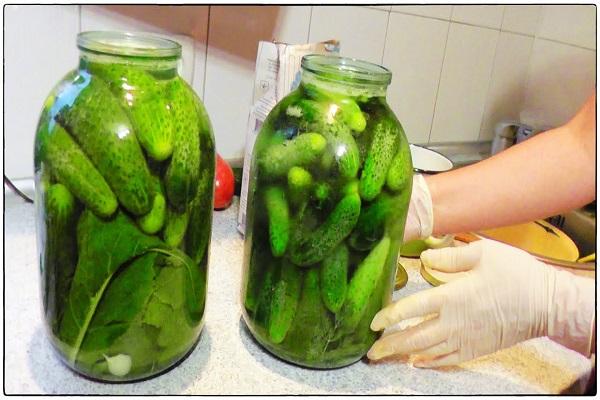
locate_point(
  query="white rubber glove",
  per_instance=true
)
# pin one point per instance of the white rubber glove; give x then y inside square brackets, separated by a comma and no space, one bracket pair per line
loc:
[507,296]
[419,221]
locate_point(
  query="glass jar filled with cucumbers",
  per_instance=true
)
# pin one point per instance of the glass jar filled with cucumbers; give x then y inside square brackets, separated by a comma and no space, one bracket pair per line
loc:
[124,172]
[330,182]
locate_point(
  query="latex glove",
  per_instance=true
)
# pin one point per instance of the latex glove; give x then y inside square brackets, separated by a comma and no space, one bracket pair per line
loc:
[419,221]
[506,296]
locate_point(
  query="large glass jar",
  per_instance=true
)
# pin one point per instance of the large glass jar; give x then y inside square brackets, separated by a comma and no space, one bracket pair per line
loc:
[124,172]
[330,184]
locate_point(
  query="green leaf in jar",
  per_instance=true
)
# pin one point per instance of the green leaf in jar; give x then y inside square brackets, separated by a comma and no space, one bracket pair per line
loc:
[191,281]
[103,247]
[124,298]
[146,314]
[176,306]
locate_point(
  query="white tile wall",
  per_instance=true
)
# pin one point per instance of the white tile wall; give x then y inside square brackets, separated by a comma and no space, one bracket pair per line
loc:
[433,11]
[561,77]
[464,83]
[452,81]
[509,79]
[574,24]
[100,18]
[521,19]
[227,97]
[292,24]
[199,67]
[233,40]
[486,15]
[361,30]
[414,51]
[384,8]
[39,50]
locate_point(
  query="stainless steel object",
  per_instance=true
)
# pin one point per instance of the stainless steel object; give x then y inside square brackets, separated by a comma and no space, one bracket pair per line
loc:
[508,133]
[580,226]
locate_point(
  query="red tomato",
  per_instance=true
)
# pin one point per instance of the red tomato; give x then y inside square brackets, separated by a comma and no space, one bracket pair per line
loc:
[224,184]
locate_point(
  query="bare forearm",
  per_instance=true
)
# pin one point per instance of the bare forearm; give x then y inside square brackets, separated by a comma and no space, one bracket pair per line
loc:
[545,175]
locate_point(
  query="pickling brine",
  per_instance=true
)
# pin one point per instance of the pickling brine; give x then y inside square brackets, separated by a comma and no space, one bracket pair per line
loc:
[330,183]
[124,169]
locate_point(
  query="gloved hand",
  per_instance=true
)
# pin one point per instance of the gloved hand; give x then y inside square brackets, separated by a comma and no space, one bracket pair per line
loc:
[507,296]
[419,221]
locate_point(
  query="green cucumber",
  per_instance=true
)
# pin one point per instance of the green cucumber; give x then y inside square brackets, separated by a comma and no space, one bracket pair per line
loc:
[306,111]
[153,126]
[379,157]
[353,115]
[362,333]
[276,160]
[284,302]
[349,109]
[334,278]
[322,195]
[60,203]
[279,219]
[197,236]
[122,77]
[314,246]
[362,285]
[400,171]
[299,183]
[140,95]
[254,275]
[340,142]
[183,172]
[326,162]
[304,221]
[396,219]
[175,226]
[263,305]
[313,325]
[60,252]
[73,168]
[102,129]
[153,222]
[372,221]
[350,187]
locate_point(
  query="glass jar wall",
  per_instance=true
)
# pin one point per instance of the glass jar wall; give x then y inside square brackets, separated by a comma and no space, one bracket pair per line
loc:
[124,171]
[331,179]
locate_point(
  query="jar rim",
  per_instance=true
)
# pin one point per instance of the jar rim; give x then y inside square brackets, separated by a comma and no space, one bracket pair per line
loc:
[346,69]
[129,44]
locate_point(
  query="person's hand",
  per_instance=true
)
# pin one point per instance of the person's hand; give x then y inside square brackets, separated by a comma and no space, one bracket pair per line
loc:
[507,296]
[419,220]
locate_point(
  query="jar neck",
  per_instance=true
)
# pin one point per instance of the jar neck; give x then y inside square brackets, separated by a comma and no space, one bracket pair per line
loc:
[160,65]
[343,87]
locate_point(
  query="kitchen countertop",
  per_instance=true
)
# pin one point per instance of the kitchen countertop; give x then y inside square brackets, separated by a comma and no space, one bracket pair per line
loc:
[228,361]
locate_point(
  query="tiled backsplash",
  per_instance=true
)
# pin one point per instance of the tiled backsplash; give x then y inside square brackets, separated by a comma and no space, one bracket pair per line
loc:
[457,70]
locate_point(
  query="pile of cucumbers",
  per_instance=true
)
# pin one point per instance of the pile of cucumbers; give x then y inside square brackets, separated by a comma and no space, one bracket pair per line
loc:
[332,177]
[124,161]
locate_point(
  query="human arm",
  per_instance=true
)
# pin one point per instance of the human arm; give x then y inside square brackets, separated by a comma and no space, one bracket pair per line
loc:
[552,172]
[507,296]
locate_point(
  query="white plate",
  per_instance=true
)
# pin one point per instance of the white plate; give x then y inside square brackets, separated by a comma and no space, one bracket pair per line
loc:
[428,161]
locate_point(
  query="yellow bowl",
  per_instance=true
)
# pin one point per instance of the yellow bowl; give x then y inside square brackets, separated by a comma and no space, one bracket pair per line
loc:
[538,238]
